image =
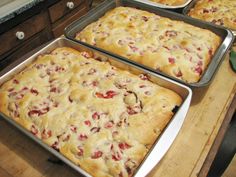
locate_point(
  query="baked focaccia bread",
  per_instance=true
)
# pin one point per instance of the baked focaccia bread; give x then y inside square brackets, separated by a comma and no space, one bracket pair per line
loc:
[173,47]
[220,12]
[100,117]
[170,2]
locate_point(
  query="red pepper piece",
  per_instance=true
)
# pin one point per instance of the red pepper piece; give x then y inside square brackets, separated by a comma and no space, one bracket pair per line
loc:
[95,129]
[34,91]
[15,81]
[55,145]
[73,128]
[171,60]
[97,154]
[85,54]
[46,134]
[179,74]
[87,122]
[133,48]
[198,70]
[116,156]
[124,146]
[34,113]
[34,130]
[107,95]
[82,137]
[109,124]
[96,116]
[131,111]
[144,76]
[80,151]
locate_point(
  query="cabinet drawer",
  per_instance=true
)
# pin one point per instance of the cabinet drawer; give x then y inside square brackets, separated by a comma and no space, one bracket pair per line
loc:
[24,31]
[59,29]
[38,39]
[62,8]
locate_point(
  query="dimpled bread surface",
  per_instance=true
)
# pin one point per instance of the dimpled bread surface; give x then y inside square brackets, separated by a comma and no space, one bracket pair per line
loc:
[178,49]
[102,118]
[220,12]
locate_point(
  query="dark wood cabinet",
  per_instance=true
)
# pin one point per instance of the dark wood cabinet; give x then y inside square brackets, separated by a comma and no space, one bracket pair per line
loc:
[39,28]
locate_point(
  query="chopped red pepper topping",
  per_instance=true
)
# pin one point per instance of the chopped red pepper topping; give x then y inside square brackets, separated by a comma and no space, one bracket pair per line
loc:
[124,146]
[179,74]
[107,95]
[95,129]
[171,60]
[87,122]
[80,151]
[34,130]
[133,48]
[96,116]
[116,156]
[109,124]
[34,91]
[131,110]
[55,145]
[144,76]
[46,134]
[73,128]
[82,137]
[199,63]
[15,81]
[198,70]
[85,54]
[97,155]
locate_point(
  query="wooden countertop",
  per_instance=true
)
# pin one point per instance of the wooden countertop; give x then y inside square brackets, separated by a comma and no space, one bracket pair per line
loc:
[190,155]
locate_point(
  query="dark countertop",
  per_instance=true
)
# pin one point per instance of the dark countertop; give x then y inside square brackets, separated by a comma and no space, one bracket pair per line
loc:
[14,11]
[22,13]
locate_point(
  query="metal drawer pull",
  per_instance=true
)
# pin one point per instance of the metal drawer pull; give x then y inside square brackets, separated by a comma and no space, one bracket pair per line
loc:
[20,35]
[70,5]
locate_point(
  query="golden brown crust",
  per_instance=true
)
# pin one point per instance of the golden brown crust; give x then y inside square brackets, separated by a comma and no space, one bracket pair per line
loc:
[173,47]
[220,12]
[100,117]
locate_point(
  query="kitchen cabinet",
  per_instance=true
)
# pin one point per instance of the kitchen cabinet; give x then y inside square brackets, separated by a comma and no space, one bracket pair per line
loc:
[37,26]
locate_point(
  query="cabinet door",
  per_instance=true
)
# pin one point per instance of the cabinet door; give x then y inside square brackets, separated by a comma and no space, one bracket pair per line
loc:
[22,32]
[62,8]
[26,47]
[58,30]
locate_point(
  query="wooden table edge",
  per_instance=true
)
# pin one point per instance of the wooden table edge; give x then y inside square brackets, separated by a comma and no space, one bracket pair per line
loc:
[219,137]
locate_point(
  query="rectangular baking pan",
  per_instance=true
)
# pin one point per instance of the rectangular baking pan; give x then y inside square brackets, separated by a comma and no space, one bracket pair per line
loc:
[99,11]
[191,5]
[156,4]
[161,145]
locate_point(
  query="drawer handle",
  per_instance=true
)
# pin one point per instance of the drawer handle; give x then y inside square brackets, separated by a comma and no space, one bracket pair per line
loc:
[70,5]
[20,35]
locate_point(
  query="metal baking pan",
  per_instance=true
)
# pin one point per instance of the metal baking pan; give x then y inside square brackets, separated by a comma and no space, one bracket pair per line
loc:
[99,11]
[191,5]
[156,4]
[163,142]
